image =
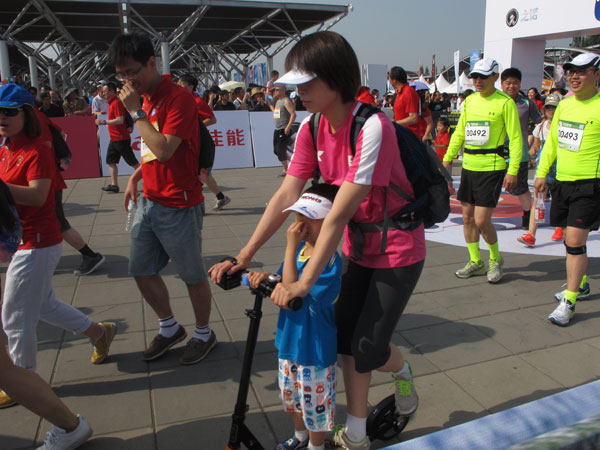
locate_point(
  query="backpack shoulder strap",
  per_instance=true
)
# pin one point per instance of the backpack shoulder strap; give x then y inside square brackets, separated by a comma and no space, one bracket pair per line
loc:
[313,124]
[365,110]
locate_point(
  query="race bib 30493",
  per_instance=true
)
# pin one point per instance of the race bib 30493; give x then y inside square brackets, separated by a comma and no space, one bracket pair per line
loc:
[570,135]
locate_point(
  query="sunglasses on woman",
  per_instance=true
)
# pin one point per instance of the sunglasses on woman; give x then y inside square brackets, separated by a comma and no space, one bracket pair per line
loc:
[10,112]
[478,75]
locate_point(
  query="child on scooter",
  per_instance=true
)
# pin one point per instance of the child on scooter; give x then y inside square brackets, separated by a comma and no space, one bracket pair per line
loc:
[306,339]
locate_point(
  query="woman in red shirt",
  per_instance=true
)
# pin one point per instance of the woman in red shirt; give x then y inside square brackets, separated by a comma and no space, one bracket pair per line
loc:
[27,387]
[27,167]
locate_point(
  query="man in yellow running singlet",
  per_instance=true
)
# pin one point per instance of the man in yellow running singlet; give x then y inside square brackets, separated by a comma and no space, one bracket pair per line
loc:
[574,141]
[487,118]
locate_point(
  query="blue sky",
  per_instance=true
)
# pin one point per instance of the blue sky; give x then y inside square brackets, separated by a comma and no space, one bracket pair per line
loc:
[399,32]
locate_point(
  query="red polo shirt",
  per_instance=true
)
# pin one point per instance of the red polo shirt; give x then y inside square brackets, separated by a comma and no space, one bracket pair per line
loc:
[203,109]
[174,183]
[25,161]
[116,109]
[407,102]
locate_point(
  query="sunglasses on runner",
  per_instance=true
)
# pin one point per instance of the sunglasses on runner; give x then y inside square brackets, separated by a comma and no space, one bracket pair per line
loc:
[580,71]
[478,75]
[10,112]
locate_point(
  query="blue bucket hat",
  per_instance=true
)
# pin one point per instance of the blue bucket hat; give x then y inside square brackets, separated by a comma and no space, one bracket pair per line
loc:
[14,96]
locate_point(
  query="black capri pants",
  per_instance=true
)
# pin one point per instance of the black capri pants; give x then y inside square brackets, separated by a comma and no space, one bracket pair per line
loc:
[369,307]
[60,212]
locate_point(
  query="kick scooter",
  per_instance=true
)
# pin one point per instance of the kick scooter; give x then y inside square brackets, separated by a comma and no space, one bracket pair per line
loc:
[383,422]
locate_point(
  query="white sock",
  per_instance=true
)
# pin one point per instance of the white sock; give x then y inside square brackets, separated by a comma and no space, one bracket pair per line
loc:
[405,371]
[356,428]
[301,435]
[202,333]
[168,326]
[315,447]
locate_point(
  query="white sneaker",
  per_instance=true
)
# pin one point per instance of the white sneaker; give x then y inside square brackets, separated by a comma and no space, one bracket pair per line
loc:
[59,439]
[221,203]
[563,313]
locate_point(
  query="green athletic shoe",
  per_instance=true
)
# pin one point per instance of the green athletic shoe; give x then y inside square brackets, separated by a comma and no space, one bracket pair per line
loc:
[494,273]
[472,268]
[342,440]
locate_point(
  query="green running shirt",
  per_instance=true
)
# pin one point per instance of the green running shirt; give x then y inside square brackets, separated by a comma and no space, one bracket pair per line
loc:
[484,123]
[574,141]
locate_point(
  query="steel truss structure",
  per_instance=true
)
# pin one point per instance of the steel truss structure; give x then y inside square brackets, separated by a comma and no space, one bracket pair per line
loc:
[66,40]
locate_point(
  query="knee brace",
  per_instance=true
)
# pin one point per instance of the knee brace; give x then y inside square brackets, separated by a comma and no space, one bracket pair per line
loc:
[576,250]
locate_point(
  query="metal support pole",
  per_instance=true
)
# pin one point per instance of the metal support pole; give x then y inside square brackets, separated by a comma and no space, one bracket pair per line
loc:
[51,77]
[4,61]
[33,71]
[164,53]
[269,66]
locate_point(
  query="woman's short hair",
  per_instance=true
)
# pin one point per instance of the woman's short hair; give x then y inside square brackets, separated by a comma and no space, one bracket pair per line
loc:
[31,126]
[331,58]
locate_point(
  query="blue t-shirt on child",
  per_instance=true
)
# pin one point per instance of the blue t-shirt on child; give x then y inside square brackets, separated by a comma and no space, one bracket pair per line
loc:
[309,336]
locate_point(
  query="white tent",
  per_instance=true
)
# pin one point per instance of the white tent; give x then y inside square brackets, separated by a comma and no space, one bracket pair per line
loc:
[465,82]
[450,89]
[441,84]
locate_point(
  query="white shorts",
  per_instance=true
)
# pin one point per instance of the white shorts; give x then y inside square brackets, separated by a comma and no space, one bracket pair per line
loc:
[309,390]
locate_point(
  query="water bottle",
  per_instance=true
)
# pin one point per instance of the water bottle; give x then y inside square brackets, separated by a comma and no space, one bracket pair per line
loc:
[131,209]
[540,210]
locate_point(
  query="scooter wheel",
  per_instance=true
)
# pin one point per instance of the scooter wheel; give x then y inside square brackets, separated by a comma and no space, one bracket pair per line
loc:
[384,422]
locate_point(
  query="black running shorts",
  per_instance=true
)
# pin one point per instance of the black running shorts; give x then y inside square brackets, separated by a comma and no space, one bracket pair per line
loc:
[116,149]
[575,204]
[480,188]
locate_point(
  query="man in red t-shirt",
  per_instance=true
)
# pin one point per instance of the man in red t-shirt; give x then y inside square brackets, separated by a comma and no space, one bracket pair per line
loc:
[168,220]
[120,140]
[207,116]
[407,104]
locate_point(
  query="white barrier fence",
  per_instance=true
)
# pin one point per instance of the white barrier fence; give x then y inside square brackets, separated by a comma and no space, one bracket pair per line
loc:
[242,140]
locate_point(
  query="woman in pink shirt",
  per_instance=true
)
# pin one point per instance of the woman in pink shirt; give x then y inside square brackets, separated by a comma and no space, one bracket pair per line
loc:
[377,282]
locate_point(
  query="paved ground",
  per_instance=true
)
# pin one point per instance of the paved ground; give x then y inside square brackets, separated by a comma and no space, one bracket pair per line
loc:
[475,348]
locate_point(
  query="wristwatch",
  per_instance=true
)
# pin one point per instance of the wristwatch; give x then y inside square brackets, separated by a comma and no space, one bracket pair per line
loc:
[139,114]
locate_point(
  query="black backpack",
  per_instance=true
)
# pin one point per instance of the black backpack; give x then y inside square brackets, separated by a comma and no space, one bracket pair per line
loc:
[207,147]
[61,149]
[429,178]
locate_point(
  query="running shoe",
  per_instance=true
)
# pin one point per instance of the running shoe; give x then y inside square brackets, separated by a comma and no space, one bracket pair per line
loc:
[89,264]
[583,294]
[494,273]
[558,234]
[221,203]
[563,313]
[406,396]
[292,443]
[341,439]
[470,269]
[6,401]
[102,345]
[59,439]
[527,239]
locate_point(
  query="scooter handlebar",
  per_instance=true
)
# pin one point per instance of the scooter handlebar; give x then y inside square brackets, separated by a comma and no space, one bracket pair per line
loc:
[265,288]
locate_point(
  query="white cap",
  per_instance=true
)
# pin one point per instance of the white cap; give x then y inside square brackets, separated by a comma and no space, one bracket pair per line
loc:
[583,60]
[311,205]
[296,76]
[485,66]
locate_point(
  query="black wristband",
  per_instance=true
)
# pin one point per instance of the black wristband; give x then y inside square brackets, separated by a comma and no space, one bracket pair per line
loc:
[230,259]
